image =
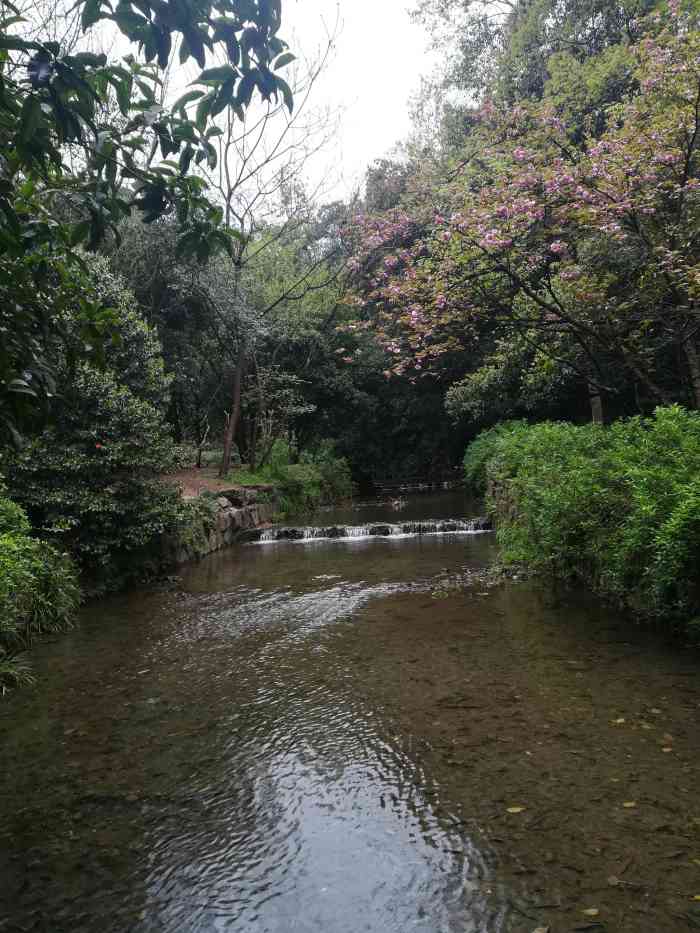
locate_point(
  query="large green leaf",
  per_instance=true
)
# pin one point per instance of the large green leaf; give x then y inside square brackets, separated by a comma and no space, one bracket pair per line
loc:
[31,118]
[91,13]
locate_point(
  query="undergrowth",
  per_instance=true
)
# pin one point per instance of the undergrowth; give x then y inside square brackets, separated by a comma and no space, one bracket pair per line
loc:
[39,593]
[318,478]
[617,506]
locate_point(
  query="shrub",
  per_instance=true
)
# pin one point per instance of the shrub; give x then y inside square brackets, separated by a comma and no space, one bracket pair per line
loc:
[89,482]
[481,451]
[617,506]
[334,472]
[38,593]
[319,478]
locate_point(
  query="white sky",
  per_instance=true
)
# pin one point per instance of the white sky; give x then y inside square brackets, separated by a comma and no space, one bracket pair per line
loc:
[376,67]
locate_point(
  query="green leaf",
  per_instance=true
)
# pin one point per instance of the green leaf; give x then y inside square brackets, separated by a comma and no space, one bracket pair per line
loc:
[185,159]
[250,38]
[181,102]
[211,154]
[187,244]
[123,88]
[92,12]
[286,92]
[30,119]
[11,21]
[164,45]
[224,98]
[245,90]
[14,43]
[89,60]
[79,232]
[195,45]
[284,60]
[233,49]
[216,75]
[203,110]
[146,90]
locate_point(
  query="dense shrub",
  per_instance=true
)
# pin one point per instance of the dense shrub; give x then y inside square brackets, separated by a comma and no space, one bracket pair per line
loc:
[335,478]
[319,478]
[89,482]
[618,506]
[38,592]
[481,451]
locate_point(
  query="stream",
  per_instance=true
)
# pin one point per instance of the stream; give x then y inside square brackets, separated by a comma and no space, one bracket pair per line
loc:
[356,733]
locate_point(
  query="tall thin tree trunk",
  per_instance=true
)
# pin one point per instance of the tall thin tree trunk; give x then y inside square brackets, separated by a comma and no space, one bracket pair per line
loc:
[256,420]
[596,402]
[691,355]
[234,418]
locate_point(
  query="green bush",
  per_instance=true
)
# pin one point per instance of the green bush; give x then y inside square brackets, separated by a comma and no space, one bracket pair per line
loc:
[319,478]
[38,593]
[334,472]
[617,506]
[13,519]
[481,451]
[89,482]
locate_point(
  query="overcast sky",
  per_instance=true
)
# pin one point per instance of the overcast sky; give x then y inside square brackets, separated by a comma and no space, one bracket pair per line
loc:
[378,58]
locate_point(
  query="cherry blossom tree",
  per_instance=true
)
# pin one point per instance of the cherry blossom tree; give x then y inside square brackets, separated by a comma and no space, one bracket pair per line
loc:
[589,251]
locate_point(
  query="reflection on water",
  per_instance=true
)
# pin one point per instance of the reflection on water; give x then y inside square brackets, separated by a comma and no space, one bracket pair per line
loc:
[274,745]
[201,760]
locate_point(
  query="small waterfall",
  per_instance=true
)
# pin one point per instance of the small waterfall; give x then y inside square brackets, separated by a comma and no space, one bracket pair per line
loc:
[377,530]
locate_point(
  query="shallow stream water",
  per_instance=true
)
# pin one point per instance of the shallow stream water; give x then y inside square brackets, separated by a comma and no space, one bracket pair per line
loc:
[363,734]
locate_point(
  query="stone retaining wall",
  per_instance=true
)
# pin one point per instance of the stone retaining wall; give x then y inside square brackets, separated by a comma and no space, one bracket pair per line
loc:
[219,522]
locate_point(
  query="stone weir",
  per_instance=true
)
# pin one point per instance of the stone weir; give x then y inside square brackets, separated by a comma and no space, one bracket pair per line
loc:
[221,520]
[378,530]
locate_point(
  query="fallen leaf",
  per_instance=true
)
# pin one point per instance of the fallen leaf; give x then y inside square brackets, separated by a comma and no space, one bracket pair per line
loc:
[516,809]
[629,804]
[590,912]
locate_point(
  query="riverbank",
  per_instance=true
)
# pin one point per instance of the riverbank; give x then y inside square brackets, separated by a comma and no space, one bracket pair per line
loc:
[616,507]
[217,517]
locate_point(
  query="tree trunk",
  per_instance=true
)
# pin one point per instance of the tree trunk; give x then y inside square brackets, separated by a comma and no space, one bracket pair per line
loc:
[691,355]
[596,401]
[256,420]
[253,452]
[200,446]
[234,418]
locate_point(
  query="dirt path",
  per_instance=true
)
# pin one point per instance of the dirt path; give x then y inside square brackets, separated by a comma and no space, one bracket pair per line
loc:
[192,482]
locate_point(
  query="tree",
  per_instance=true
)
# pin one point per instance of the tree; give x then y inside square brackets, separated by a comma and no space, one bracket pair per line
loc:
[505,49]
[86,139]
[521,244]
[89,480]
